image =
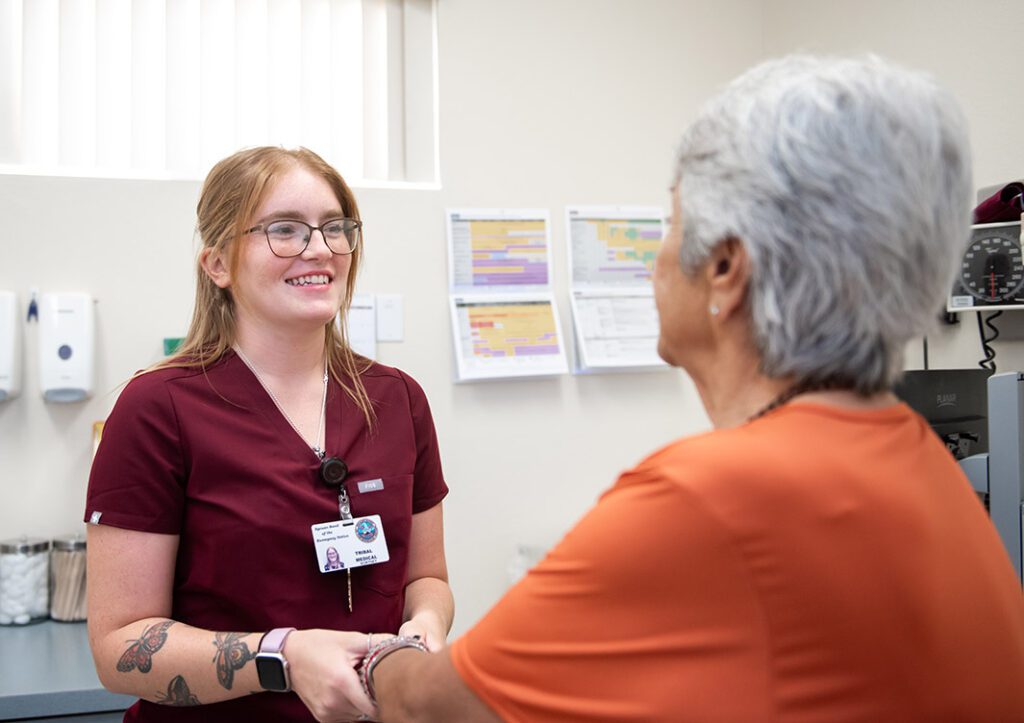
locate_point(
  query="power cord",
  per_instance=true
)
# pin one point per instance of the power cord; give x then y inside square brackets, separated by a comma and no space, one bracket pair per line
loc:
[989,362]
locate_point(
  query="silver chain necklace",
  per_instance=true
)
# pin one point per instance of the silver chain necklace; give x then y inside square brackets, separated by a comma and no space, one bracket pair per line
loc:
[317,450]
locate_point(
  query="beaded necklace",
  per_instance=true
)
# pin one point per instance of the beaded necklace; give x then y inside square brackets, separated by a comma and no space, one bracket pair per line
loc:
[788,394]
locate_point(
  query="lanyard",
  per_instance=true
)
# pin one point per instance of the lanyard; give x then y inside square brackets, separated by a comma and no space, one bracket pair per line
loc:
[333,472]
[344,507]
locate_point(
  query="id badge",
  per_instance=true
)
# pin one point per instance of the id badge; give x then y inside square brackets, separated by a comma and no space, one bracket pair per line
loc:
[344,544]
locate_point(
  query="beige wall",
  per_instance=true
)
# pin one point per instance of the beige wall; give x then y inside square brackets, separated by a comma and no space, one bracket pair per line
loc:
[543,103]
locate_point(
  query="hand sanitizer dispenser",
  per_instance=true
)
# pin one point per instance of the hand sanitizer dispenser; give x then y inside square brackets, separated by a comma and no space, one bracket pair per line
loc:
[66,331]
[10,346]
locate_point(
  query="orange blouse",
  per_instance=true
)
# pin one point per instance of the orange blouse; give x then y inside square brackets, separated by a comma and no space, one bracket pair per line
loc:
[816,564]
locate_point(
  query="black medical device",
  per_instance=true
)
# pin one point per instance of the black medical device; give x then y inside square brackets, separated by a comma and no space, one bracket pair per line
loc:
[954,402]
[980,418]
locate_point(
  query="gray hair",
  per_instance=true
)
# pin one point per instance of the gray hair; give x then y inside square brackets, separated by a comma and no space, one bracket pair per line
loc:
[848,183]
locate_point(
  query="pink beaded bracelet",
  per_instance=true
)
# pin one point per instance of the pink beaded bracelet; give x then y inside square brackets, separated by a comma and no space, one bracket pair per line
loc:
[380,651]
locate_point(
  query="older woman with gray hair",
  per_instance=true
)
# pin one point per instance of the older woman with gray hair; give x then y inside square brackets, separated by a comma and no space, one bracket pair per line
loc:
[819,555]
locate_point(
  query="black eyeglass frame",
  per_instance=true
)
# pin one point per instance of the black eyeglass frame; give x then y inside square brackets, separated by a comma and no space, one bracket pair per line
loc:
[357,225]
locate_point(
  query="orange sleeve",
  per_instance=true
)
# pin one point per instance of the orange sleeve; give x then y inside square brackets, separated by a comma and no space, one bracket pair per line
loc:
[647,585]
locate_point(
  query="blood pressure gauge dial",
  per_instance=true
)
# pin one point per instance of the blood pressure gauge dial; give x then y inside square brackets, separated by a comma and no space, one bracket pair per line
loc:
[992,269]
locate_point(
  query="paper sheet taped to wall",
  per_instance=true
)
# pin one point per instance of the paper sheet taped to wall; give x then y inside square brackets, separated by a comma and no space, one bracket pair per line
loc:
[504,316]
[362,325]
[615,329]
[506,337]
[496,249]
[611,257]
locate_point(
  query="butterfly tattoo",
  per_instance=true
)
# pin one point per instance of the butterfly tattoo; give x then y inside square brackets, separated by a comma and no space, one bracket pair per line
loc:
[232,654]
[140,653]
[178,694]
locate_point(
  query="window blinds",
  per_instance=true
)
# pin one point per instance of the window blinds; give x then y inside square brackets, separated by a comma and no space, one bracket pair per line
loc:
[165,88]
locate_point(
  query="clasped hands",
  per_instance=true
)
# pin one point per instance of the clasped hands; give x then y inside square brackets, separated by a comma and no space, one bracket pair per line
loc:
[323,663]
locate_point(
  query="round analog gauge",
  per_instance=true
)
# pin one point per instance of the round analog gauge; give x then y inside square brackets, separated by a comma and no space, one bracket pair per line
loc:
[992,268]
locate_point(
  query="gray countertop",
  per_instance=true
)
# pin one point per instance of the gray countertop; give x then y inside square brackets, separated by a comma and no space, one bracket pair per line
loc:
[46,669]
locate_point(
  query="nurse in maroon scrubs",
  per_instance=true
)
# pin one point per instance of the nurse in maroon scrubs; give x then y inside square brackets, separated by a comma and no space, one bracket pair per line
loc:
[227,471]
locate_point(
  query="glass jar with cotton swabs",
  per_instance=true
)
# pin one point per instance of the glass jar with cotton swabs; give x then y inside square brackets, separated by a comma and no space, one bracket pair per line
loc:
[67,578]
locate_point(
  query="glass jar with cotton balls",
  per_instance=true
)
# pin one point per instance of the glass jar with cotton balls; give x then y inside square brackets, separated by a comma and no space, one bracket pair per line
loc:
[24,580]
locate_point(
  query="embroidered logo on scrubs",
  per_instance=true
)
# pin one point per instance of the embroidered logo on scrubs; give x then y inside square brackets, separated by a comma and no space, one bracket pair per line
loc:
[366,530]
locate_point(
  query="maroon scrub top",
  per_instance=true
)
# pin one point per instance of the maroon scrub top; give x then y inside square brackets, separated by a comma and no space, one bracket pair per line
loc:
[209,457]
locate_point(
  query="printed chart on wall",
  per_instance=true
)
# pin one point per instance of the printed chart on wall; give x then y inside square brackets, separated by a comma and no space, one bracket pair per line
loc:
[504,316]
[506,337]
[611,257]
[499,249]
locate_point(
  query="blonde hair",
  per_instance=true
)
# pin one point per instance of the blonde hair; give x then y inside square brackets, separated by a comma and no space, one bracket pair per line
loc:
[232,192]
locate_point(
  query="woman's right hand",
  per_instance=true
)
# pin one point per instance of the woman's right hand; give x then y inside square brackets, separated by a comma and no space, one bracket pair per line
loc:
[322,668]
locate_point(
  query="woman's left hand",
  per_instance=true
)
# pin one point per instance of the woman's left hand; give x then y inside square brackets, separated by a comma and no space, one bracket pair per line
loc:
[432,631]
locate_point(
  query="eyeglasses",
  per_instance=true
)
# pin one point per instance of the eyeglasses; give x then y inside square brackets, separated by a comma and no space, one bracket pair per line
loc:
[289,238]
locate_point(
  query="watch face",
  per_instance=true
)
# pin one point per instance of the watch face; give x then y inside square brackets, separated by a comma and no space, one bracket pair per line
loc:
[271,672]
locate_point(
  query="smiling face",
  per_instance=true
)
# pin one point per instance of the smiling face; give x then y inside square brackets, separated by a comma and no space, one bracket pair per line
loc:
[300,292]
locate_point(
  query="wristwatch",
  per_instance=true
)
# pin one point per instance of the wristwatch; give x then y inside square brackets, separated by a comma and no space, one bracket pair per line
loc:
[271,665]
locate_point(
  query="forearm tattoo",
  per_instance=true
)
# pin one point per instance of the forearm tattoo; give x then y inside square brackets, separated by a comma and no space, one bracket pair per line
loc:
[232,654]
[178,694]
[140,653]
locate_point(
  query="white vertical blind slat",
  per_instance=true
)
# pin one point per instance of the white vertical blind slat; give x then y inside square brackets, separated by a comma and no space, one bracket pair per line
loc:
[252,34]
[217,84]
[420,97]
[149,84]
[113,84]
[284,55]
[375,90]
[40,82]
[395,81]
[316,81]
[346,95]
[10,80]
[77,83]
[183,86]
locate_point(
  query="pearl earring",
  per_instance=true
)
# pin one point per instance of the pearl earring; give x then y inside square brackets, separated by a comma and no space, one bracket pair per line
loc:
[714,309]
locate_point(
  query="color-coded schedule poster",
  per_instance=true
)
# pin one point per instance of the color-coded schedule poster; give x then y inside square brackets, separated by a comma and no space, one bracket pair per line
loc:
[506,338]
[613,251]
[504,317]
[611,257]
[491,248]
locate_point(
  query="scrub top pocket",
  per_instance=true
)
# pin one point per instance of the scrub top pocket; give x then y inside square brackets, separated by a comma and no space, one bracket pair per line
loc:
[392,500]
